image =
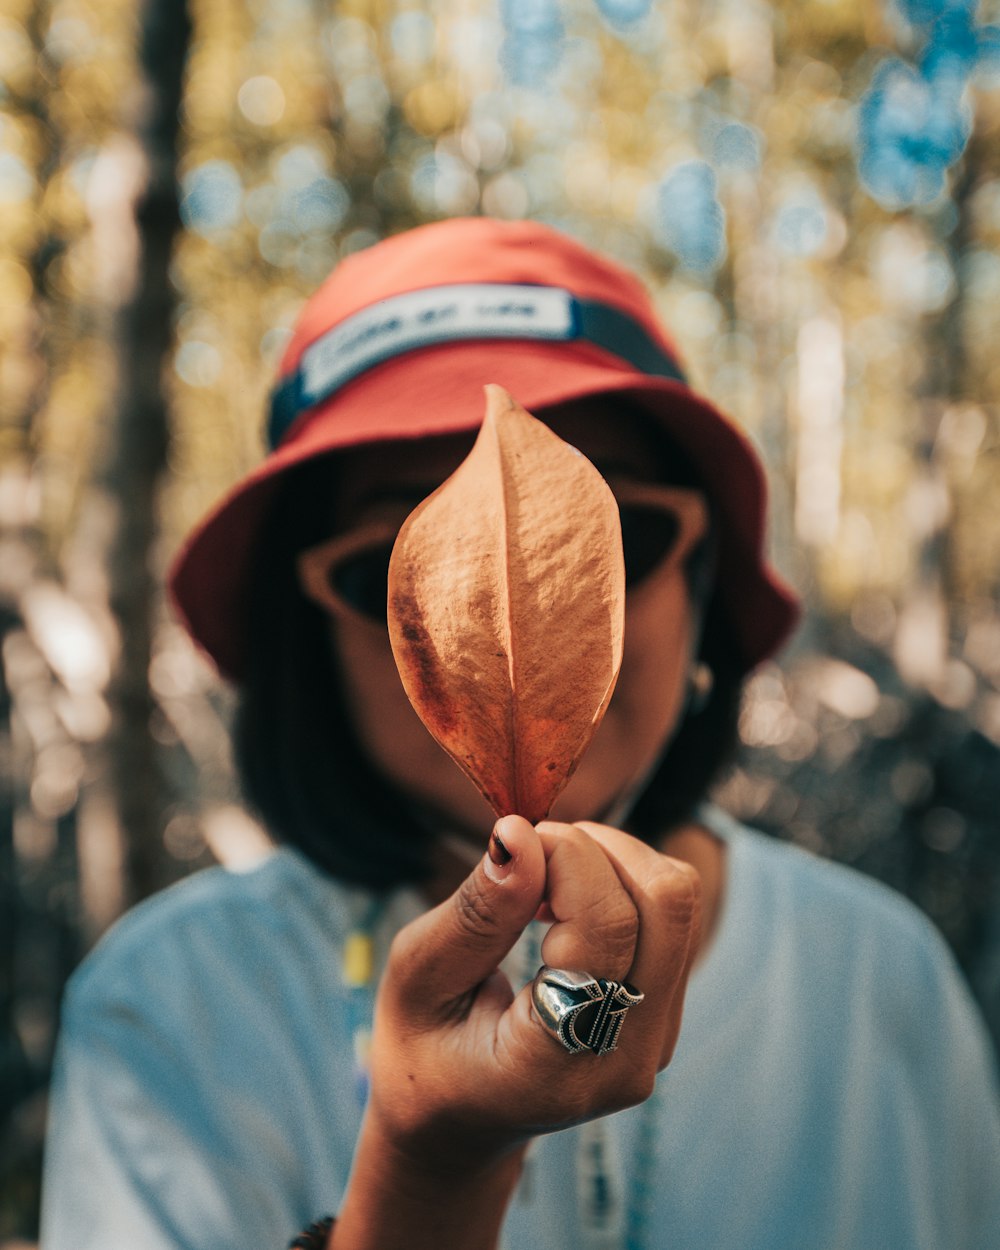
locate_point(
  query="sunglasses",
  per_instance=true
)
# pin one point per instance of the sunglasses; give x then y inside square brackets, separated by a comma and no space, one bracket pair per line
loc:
[348,575]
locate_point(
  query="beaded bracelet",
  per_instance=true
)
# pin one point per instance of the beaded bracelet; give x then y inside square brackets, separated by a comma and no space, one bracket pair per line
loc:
[315,1236]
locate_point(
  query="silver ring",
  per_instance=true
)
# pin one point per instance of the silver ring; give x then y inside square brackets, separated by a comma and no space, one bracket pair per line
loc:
[580,1011]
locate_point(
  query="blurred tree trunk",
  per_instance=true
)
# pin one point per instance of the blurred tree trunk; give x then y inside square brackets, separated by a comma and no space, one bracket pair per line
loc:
[139,438]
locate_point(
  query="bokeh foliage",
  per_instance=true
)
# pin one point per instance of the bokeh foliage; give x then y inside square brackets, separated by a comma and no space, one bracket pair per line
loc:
[714,146]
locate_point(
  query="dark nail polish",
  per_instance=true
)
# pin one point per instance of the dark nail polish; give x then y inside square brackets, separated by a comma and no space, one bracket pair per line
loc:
[497,851]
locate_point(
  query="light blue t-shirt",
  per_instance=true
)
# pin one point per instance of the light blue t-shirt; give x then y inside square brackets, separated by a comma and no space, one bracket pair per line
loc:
[832,1088]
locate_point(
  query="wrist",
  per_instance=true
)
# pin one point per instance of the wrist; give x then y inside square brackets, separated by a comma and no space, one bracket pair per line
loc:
[410,1195]
[439,1150]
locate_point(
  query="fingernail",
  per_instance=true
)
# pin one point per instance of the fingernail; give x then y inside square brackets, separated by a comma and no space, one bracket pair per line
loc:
[498,858]
[498,852]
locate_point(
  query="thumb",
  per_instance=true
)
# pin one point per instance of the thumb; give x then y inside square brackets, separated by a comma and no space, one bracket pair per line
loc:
[460,943]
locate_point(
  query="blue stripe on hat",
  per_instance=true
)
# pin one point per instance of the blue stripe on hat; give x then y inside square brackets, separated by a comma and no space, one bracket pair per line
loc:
[448,314]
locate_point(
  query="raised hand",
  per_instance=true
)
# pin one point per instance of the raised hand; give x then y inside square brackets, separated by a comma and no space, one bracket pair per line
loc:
[463,1072]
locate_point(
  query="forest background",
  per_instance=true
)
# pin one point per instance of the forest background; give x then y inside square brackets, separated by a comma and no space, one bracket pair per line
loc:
[811,190]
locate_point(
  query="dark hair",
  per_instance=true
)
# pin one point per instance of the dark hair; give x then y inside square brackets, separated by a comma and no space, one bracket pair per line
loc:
[705,743]
[301,766]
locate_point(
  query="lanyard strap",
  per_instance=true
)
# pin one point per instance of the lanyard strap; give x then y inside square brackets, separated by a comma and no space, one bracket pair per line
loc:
[599,1186]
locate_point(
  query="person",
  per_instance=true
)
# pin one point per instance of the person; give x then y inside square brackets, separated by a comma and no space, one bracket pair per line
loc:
[358,1027]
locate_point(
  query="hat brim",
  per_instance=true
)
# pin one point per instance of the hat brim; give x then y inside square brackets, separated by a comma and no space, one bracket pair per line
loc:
[439,390]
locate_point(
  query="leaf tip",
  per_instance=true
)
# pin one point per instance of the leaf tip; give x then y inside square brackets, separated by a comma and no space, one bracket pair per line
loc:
[499,401]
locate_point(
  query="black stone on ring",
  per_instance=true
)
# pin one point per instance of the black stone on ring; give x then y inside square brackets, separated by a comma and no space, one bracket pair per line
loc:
[580,1011]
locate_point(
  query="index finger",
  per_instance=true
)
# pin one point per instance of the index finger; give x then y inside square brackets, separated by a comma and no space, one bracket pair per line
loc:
[667,895]
[595,921]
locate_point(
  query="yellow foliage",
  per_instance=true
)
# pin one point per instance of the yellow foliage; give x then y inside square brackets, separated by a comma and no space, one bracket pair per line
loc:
[338,131]
[432,107]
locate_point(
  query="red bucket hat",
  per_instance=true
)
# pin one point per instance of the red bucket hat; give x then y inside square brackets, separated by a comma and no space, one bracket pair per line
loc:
[399,342]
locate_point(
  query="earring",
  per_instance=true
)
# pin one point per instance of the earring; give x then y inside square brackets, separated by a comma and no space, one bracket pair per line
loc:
[701,682]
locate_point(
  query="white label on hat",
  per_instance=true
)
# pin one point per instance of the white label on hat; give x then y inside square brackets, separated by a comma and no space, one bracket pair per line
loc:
[439,314]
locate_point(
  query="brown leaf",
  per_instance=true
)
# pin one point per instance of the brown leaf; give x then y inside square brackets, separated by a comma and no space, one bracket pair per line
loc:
[506,609]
